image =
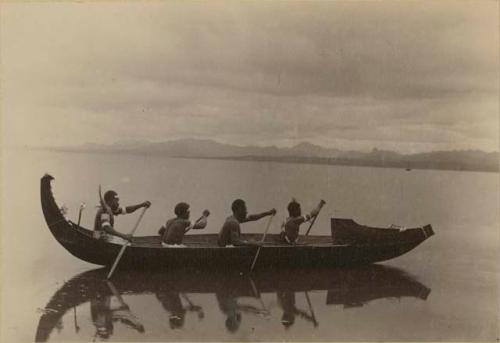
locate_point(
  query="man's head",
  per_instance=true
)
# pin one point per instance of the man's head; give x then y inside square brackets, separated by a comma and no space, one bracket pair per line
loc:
[182,210]
[233,322]
[176,321]
[111,199]
[239,209]
[104,330]
[287,319]
[294,209]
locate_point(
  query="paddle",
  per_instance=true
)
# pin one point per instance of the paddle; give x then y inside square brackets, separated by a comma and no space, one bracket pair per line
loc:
[311,309]
[193,307]
[116,294]
[257,295]
[263,237]
[129,319]
[320,205]
[126,244]
[205,214]
[108,210]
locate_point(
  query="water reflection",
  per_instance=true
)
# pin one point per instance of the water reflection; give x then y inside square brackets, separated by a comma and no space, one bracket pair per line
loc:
[286,299]
[360,286]
[233,307]
[172,303]
[236,296]
[104,314]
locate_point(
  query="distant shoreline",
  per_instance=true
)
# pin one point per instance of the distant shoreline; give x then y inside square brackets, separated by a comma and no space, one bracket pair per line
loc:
[407,165]
[359,163]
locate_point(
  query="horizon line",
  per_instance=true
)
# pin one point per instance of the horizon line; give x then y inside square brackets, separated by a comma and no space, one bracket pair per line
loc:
[82,146]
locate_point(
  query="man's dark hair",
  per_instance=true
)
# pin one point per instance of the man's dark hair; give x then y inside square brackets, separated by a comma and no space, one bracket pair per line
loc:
[233,323]
[109,196]
[293,208]
[105,331]
[176,322]
[287,319]
[238,204]
[181,209]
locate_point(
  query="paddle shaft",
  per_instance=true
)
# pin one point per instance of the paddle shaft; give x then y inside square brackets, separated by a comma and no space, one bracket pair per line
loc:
[263,237]
[321,203]
[257,295]
[190,303]
[115,293]
[126,244]
[311,225]
[311,309]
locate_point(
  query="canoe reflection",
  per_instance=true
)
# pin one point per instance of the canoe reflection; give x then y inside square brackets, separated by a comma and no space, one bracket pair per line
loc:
[235,295]
[360,286]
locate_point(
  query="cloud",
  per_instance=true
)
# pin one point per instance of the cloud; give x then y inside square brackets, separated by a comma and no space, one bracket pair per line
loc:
[407,75]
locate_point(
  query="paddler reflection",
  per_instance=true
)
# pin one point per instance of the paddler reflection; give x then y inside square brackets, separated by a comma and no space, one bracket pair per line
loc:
[105,310]
[232,308]
[172,303]
[286,299]
[237,296]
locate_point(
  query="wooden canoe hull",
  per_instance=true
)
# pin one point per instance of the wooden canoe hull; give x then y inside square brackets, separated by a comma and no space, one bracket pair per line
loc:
[201,252]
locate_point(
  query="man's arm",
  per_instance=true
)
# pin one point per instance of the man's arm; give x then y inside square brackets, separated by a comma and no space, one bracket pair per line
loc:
[254,217]
[133,208]
[237,241]
[304,315]
[197,226]
[250,309]
[234,236]
[300,220]
[106,226]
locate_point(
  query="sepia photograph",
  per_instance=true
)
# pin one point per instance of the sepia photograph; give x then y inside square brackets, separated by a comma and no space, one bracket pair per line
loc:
[250,171]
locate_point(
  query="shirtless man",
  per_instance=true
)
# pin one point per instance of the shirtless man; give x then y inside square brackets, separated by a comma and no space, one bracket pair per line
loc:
[231,232]
[104,220]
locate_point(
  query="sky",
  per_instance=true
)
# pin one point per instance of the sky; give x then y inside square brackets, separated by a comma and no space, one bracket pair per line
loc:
[399,75]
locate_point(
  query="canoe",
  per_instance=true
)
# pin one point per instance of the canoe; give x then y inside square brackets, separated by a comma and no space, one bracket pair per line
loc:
[346,287]
[349,244]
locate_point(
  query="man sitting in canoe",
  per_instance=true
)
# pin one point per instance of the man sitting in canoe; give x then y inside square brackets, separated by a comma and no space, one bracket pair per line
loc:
[231,232]
[175,228]
[292,223]
[105,218]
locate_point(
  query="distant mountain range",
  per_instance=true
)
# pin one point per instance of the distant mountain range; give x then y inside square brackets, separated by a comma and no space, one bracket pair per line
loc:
[304,153]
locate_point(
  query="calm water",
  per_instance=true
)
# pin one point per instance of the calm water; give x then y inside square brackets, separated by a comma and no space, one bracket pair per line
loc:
[446,289]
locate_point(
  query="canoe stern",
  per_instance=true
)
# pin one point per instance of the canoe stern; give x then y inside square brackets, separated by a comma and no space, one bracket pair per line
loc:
[347,231]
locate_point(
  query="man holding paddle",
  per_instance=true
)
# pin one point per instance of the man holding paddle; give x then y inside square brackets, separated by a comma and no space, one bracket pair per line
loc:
[173,231]
[290,232]
[104,219]
[231,231]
